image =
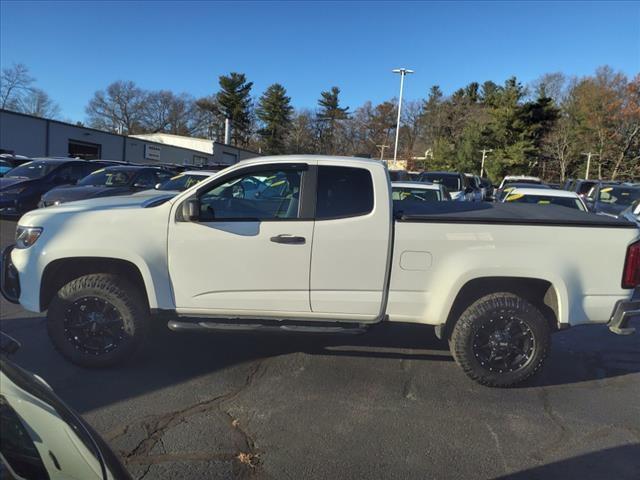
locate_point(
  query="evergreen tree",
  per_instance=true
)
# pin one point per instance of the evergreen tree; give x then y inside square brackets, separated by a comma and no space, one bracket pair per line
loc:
[274,111]
[233,101]
[328,117]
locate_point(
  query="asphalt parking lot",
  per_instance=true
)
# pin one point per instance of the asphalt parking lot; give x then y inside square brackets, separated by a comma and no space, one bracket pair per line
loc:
[387,404]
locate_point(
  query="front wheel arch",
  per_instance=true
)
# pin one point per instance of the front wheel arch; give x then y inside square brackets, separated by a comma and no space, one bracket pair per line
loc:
[62,271]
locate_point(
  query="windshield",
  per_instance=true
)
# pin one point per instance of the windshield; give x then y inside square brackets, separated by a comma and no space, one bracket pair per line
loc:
[406,194]
[452,182]
[181,182]
[32,170]
[108,178]
[546,200]
[619,195]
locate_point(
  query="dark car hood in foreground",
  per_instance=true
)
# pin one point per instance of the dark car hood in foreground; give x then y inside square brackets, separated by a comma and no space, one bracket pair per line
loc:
[6,182]
[81,192]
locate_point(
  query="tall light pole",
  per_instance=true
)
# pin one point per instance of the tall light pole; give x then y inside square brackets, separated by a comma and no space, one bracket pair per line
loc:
[484,154]
[589,155]
[402,72]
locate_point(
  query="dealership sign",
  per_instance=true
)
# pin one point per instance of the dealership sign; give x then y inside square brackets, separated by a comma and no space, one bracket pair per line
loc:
[152,152]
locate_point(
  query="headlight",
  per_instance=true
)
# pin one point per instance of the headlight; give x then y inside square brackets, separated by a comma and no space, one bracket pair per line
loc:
[27,236]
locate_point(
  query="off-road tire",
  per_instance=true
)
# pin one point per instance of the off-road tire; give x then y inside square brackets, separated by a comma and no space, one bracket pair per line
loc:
[482,311]
[117,291]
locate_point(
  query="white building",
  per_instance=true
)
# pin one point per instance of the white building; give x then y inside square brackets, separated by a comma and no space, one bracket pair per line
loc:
[31,136]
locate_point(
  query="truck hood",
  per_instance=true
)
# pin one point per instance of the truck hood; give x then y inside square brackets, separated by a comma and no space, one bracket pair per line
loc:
[39,216]
[71,193]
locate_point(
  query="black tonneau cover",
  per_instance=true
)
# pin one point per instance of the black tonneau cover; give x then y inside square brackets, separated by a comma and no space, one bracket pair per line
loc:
[503,213]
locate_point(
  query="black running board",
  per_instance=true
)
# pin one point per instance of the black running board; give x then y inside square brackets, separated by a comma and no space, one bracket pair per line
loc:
[268,326]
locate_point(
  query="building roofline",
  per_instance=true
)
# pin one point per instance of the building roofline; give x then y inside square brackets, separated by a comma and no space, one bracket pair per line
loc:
[51,120]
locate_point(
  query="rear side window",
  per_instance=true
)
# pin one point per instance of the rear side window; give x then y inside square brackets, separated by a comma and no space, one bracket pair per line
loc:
[343,192]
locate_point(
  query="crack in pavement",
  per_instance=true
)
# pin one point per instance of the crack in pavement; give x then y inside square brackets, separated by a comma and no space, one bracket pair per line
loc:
[496,440]
[245,461]
[564,434]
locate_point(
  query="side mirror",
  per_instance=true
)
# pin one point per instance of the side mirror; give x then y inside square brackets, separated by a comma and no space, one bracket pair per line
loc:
[191,210]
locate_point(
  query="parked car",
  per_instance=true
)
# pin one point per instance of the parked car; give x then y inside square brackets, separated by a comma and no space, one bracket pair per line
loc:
[456,183]
[8,162]
[322,253]
[22,187]
[402,192]
[612,198]
[500,194]
[539,196]
[107,182]
[42,437]
[581,187]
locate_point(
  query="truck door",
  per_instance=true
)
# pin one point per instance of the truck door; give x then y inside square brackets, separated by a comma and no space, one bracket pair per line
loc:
[351,240]
[249,250]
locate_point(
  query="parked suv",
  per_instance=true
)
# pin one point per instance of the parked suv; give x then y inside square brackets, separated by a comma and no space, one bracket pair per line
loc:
[22,187]
[107,182]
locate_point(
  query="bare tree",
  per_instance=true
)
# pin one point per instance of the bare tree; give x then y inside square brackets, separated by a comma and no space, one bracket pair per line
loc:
[37,102]
[14,82]
[119,108]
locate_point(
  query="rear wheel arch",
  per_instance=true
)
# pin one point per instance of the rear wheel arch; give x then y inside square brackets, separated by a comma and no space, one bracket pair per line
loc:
[539,292]
[62,271]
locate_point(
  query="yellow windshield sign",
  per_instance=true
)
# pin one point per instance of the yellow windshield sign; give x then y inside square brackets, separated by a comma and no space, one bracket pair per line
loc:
[177,176]
[514,196]
[608,189]
[544,202]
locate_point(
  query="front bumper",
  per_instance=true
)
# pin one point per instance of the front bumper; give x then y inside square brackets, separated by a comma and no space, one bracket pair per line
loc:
[623,312]
[9,279]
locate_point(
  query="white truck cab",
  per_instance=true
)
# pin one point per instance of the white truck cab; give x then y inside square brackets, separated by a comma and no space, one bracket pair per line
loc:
[312,243]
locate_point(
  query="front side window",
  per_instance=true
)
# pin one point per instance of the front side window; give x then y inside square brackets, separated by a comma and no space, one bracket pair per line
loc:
[343,192]
[267,195]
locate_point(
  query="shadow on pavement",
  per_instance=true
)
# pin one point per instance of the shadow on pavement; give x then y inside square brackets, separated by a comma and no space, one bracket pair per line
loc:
[170,358]
[611,463]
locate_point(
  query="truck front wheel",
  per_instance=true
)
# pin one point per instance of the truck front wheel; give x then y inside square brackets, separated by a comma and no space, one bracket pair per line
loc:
[97,320]
[500,340]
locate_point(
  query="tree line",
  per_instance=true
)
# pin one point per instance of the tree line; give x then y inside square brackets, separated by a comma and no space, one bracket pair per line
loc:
[545,128]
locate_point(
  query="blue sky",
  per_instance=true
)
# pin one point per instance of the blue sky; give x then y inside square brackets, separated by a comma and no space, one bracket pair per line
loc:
[76,48]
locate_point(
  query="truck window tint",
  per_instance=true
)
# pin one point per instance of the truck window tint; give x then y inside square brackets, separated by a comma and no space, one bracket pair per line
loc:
[268,195]
[343,192]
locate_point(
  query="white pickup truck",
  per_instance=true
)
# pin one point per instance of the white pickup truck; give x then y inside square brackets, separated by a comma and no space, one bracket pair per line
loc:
[313,244]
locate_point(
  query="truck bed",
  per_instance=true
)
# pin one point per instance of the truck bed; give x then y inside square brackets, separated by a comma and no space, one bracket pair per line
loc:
[503,214]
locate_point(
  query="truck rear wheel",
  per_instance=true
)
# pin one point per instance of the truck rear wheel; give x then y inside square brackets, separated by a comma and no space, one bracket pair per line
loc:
[500,340]
[97,320]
